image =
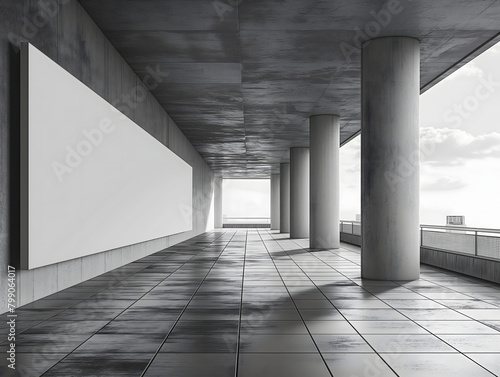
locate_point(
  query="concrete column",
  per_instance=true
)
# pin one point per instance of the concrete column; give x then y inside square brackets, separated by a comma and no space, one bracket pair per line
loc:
[324,144]
[299,192]
[218,203]
[390,159]
[275,201]
[285,198]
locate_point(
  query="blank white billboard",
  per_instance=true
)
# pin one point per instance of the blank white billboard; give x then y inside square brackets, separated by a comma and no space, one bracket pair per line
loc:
[91,179]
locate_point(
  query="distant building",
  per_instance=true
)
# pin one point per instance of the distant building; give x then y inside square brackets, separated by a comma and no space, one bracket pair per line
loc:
[455,220]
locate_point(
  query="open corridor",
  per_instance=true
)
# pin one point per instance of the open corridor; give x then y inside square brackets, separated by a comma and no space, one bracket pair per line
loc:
[256,303]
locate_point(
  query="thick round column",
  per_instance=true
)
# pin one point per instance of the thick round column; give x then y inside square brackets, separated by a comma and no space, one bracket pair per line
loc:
[285,198]
[275,201]
[218,203]
[299,192]
[390,159]
[324,144]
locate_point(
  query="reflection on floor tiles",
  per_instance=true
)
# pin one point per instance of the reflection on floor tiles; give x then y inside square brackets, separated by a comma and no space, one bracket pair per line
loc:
[256,303]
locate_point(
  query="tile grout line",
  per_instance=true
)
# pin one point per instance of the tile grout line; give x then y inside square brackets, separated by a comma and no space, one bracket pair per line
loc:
[295,305]
[124,309]
[185,307]
[312,281]
[109,321]
[236,366]
[413,321]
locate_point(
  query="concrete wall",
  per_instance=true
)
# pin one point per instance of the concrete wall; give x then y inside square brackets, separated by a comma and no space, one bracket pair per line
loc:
[353,239]
[471,265]
[65,33]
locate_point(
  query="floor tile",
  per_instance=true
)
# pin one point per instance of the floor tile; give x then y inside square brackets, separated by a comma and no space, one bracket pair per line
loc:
[67,327]
[482,314]
[357,364]
[133,327]
[490,361]
[408,343]
[434,365]
[493,324]
[330,327]
[192,365]
[457,327]
[272,343]
[289,365]
[467,304]
[341,343]
[388,327]
[321,314]
[433,315]
[273,327]
[99,364]
[372,315]
[121,343]
[46,343]
[87,314]
[139,315]
[359,304]
[314,304]
[474,343]
[202,343]
[30,364]
[414,304]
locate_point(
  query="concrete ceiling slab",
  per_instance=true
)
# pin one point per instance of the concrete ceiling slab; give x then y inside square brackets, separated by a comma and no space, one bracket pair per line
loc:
[241,77]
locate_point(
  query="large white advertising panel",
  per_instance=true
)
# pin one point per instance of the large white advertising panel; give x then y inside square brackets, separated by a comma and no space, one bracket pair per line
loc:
[92,180]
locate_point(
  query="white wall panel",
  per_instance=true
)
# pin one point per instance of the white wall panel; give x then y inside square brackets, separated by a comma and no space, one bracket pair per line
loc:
[93,180]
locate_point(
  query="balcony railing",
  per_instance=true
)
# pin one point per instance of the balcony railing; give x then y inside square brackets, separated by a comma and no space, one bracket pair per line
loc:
[481,242]
[473,241]
[350,227]
[246,222]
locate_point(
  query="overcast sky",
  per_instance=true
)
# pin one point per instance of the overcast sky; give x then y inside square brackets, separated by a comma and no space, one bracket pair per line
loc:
[246,198]
[460,164]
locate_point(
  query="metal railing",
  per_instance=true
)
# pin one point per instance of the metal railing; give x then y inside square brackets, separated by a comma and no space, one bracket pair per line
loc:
[473,241]
[481,242]
[246,220]
[350,227]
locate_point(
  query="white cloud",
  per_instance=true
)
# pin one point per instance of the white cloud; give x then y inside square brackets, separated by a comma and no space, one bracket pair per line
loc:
[468,70]
[444,183]
[446,146]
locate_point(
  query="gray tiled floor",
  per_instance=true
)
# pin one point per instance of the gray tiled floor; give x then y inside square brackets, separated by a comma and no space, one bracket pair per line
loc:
[255,303]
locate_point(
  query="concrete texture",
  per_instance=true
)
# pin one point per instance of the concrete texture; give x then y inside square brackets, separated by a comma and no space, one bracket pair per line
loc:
[275,202]
[71,38]
[471,265]
[285,197]
[390,159]
[218,203]
[299,192]
[324,182]
[244,76]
